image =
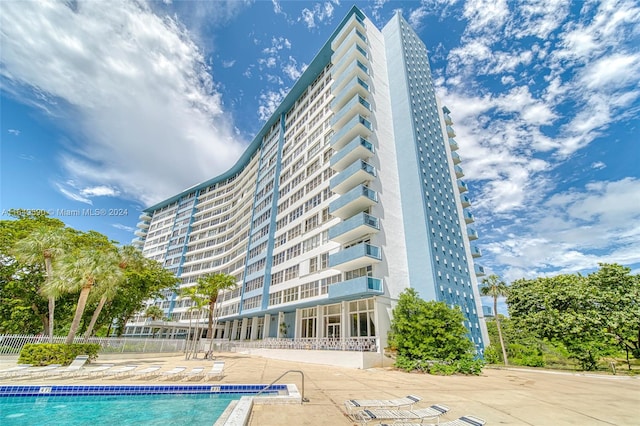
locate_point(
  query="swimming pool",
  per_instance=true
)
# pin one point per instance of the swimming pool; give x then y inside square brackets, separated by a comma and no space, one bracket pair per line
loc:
[120,405]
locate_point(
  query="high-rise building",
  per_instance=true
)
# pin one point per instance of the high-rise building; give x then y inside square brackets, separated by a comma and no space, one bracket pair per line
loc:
[349,194]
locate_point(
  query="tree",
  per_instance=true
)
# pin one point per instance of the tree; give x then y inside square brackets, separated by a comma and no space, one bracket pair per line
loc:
[209,286]
[494,287]
[422,332]
[199,303]
[44,244]
[154,313]
[579,312]
[81,270]
[616,294]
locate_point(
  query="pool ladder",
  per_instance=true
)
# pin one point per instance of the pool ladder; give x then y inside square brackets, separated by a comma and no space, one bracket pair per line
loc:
[280,377]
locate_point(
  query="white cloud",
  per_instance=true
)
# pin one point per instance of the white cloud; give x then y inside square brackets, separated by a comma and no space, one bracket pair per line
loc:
[100,191]
[14,132]
[323,12]
[135,87]
[123,227]
[292,70]
[269,102]
[573,231]
[70,194]
[598,165]
[228,64]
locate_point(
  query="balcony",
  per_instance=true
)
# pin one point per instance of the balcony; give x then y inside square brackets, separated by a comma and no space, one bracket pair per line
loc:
[468,217]
[357,200]
[472,234]
[358,172]
[353,228]
[143,225]
[453,144]
[462,186]
[357,105]
[354,36]
[355,86]
[466,201]
[459,171]
[356,288]
[450,132]
[347,53]
[355,69]
[355,257]
[137,242]
[447,120]
[144,216]
[479,270]
[357,126]
[456,157]
[358,148]
[141,233]
[355,22]
[476,252]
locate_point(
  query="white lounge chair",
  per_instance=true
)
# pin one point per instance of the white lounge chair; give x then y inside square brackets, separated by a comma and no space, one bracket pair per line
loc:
[34,371]
[176,372]
[462,421]
[421,414]
[361,404]
[216,372]
[95,371]
[196,373]
[9,371]
[151,371]
[123,371]
[76,365]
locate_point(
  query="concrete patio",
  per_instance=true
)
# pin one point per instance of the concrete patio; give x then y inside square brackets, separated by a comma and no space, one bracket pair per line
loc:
[500,396]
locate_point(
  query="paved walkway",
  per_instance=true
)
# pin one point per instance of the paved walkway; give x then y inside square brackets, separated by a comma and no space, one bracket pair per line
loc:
[500,396]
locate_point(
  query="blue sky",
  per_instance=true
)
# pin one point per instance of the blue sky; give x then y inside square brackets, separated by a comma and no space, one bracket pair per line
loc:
[114,106]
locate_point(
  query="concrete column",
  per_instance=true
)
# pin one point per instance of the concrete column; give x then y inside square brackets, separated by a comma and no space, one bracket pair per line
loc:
[319,325]
[234,329]
[227,330]
[243,328]
[266,325]
[344,320]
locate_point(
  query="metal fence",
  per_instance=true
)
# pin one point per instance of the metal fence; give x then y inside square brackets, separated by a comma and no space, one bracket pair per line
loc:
[11,344]
[362,344]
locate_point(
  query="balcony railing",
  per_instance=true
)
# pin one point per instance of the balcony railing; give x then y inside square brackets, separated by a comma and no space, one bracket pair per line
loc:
[355,257]
[472,234]
[353,228]
[450,132]
[357,287]
[459,171]
[358,148]
[358,172]
[456,157]
[358,199]
[476,252]
[462,186]
[355,69]
[453,144]
[348,52]
[466,201]
[468,217]
[144,216]
[479,270]
[357,126]
[354,23]
[357,105]
[354,86]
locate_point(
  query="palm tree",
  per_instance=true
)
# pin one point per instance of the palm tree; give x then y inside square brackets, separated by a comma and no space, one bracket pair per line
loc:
[209,287]
[44,244]
[493,286]
[154,312]
[82,270]
[198,304]
[130,257]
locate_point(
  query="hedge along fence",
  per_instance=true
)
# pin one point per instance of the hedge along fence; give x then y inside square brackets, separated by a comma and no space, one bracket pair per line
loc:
[56,353]
[11,344]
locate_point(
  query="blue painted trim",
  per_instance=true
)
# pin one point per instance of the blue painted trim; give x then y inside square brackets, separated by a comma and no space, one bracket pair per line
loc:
[322,58]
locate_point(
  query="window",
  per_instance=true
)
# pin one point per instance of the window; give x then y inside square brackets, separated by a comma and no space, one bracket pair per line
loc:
[361,318]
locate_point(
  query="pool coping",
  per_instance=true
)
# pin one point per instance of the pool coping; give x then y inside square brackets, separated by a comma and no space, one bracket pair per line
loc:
[88,390]
[238,412]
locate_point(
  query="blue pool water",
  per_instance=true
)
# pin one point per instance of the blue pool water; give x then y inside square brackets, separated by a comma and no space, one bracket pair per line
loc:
[166,410]
[121,405]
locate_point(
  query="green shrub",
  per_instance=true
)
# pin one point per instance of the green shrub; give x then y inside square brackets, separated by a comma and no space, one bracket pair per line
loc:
[56,353]
[491,355]
[469,366]
[443,368]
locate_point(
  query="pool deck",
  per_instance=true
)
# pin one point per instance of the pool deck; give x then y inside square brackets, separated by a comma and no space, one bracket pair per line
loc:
[512,396]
